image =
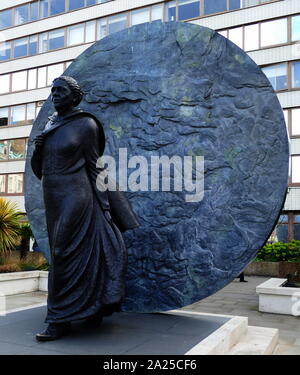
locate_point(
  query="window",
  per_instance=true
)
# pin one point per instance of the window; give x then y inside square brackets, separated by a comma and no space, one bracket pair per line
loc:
[90,28]
[235,4]
[156,12]
[3,116]
[54,71]
[44,8]
[11,183]
[56,39]
[42,77]
[249,3]
[236,36]
[21,14]
[30,112]
[18,114]
[33,45]
[17,148]
[140,16]
[277,75]
[296,74]
[20,47]
[274,32]
[215,6]
[171,11]
[6,18]
[3,150]
[4,83]
[295,28]
[188,9]
[56,7]
[75,4]
[32,77]
[295,130]
[2,183]
[43,42]
[75,34]
[102,28]
[251,37]
[295,169]
[19,81]
[34,11]
[117,23]
[5,49]
[15,183]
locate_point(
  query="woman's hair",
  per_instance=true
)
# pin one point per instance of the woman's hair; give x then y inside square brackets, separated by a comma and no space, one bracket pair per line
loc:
[74,87]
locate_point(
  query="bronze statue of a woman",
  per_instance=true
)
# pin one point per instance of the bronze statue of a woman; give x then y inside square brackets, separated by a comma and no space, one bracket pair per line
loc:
[88,254]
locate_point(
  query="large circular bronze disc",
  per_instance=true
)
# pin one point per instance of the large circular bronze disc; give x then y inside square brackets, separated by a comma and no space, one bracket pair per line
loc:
[181,89]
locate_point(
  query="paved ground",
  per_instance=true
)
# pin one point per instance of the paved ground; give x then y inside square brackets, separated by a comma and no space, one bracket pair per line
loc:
[235,299]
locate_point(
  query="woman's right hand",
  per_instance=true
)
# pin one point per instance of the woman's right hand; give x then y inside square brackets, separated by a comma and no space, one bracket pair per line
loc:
[39,141]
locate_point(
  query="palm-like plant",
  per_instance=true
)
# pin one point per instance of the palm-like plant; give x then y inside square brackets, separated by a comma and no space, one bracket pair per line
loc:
[9,225]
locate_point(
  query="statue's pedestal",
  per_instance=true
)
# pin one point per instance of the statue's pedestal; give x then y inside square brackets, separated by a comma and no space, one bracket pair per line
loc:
[173,333]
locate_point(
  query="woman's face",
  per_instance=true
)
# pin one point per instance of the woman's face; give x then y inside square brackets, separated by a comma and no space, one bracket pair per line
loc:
[61,95]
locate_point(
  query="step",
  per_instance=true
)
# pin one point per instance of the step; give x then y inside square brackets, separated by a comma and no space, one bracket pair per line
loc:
[256,341]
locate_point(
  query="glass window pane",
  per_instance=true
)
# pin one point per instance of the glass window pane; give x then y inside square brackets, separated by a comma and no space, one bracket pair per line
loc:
[18,114]
[3,116]
[3,150]
[21,14]
[33,44]
[215,6]
[188,9]
[235,4]
[236,36]
[250,3]
[75,4]
[19,81]
[90,2]
[44,9]
[157,12]
[2,183]
[277,75]
[76,34]
[102,28]
[274,32]
[20,47]
[15,183]
[42,75]
[170,11]
[296,121]
[117,23]
[296,74]
[223,32]
[5,49]
[56,7]
[295,169]
[56,39]
[140,16]
[30,112]
[54,71]
[251,37]
[90,29]
[296,218]
[295,28]
[17,148]
[6,18]
[32,79]
[286,118]
[34,11]
[4,83]
[43,42]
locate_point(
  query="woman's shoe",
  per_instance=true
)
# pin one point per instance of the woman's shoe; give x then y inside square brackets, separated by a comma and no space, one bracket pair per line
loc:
[54,331]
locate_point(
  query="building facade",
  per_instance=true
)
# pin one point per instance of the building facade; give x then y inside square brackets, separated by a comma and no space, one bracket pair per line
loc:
[39,39]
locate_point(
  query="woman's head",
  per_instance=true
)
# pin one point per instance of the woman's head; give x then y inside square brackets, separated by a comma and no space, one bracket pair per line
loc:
[73,86]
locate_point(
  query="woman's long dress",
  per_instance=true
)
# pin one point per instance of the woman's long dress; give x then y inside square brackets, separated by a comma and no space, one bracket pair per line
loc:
[87,250]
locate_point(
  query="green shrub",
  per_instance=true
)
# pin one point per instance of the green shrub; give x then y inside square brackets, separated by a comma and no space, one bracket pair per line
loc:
[280,251]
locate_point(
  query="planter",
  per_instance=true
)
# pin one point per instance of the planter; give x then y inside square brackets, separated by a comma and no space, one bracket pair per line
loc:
[274,269]
[275,298]
[23,282]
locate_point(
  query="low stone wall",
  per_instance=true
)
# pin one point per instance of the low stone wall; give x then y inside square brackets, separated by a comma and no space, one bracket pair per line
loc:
[23,282]
[274,269]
